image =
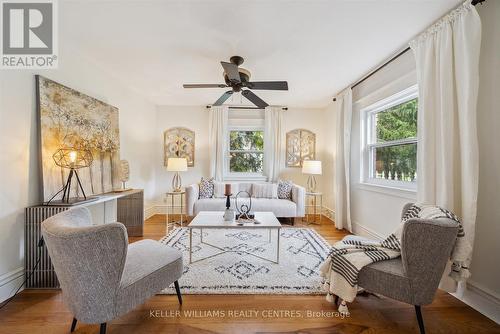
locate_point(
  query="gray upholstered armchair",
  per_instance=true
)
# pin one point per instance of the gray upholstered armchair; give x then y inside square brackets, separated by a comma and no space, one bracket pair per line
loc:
[103,277]
[413,278]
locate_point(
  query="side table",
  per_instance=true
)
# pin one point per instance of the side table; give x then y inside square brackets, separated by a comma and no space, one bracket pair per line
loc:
[170,201]
[312,202]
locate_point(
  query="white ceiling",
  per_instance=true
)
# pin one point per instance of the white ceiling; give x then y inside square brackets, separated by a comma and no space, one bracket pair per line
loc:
[319,47]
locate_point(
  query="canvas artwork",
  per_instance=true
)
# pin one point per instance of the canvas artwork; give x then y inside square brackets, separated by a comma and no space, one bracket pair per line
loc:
[72,120]
[300,146]
[179,143]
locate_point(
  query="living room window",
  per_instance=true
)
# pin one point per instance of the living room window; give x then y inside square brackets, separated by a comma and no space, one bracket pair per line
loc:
[246,151]
[390,141]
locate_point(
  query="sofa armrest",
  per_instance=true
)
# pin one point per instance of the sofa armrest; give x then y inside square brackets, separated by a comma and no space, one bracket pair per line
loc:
[299,197]
[192,195]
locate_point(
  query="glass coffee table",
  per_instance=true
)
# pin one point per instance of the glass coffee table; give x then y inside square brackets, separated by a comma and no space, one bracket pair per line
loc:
[215,220]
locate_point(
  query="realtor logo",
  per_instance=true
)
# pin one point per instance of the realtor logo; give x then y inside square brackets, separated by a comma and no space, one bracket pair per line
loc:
[28,34]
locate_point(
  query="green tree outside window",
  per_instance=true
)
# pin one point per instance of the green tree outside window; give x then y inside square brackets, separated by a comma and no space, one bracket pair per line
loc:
[246,150]
[396,162]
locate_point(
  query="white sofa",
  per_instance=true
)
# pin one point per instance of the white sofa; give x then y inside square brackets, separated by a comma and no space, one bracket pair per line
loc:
[280,207]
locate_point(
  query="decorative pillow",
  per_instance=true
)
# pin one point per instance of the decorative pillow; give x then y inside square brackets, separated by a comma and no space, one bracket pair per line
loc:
[265,190]
[285,189]
[206,188]
[220,189]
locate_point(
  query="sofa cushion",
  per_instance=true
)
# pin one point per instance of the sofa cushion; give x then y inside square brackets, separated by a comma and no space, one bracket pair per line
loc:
[265,190]
[210,204]
[220,188]
[280,207]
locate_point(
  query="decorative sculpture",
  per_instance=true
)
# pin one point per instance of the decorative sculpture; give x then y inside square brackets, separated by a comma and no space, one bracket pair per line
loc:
[124,174]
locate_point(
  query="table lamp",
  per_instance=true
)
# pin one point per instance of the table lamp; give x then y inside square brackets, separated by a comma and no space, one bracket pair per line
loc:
[72,159]
[177,165]
[311,167]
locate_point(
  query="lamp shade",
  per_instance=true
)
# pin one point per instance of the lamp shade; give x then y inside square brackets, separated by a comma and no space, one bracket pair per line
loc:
[72,158]
[311,167]
[177,165]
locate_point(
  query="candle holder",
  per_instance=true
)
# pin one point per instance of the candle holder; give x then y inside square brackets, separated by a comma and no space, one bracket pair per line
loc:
[228,213]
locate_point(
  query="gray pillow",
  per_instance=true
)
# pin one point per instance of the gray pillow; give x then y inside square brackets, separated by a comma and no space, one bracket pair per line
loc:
[285,189]
[206,188]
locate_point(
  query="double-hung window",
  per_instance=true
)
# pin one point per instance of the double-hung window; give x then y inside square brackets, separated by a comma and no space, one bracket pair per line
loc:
[390,141]
[245,145]
[246,151]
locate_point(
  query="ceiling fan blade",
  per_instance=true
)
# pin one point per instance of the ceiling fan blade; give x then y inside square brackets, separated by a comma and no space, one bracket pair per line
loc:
[269,85]
[231,71]
[223,98]
[254,99]
[204,86]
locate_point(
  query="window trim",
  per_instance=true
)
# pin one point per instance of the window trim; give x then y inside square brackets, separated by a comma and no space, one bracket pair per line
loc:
[241,176]
[368,140]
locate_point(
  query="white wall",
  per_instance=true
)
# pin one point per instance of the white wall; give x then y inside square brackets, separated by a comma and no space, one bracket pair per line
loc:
[19,177]
[376,211]
[485,269]
[196,119]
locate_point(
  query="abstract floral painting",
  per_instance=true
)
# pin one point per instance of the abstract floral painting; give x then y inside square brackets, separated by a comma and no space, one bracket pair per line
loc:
[300,146]
[179,143]
[70,119]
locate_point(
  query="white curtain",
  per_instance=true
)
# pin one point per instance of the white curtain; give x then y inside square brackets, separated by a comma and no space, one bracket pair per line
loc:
[273,143]
[447,57]
[217,140]
[342,159]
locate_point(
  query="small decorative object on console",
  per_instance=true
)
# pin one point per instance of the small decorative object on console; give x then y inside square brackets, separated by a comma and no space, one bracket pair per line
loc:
[124,175]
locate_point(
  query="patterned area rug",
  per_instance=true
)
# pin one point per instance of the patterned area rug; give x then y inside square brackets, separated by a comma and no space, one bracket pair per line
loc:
[302,252]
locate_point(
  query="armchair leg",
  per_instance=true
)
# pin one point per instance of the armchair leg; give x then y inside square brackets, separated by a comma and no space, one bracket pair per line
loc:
[103,328]
[178,290]
[73,325]
[420,320]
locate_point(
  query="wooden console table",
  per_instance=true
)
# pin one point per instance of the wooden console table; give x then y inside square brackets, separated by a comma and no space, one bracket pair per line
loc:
[128,210]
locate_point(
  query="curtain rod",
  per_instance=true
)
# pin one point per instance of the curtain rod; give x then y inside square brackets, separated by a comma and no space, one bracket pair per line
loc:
[399,54]
[253,108]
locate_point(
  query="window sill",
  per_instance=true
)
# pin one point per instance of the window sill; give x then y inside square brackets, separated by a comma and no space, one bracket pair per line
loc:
[245,177]
[388,190]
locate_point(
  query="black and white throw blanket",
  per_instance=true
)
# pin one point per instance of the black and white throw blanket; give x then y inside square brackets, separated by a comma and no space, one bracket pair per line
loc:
[348,256]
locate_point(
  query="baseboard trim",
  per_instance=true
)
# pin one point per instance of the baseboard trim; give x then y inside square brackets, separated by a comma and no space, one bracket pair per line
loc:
[328,213]
[149,212]
[364,231]
[481,299]
[9,282]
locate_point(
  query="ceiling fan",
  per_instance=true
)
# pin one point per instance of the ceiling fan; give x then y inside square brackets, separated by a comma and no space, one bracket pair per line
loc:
[238,78]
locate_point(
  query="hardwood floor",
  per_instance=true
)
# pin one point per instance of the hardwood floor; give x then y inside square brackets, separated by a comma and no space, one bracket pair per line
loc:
[43,311]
